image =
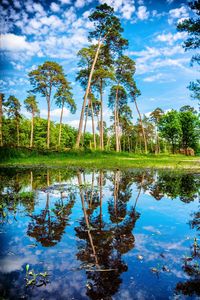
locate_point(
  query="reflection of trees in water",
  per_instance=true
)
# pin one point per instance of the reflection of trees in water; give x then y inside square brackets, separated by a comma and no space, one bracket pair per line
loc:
[192,268]
[184,186]
[49,226]
[104,243]
[195,222]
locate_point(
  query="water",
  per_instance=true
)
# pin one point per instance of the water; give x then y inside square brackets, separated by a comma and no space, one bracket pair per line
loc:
[99,235]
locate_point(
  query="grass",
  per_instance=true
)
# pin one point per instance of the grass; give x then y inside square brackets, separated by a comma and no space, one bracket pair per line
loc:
[97,159]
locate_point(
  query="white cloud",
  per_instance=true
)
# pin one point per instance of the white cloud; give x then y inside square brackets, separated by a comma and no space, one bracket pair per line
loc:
[17,4]
[153,77]
[17,66]
[82,3]
[54,7]
[65,1]
[171,38]
[151,59]
[127,11]
[178,14]
[38,8]
[55,112]
[124,7]
[159,77]
[12,42]
[142,13]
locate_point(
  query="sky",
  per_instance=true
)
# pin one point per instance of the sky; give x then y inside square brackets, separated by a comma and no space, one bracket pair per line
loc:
[33,32]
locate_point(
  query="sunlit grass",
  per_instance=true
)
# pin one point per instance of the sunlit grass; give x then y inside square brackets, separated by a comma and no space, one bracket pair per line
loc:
[98,159]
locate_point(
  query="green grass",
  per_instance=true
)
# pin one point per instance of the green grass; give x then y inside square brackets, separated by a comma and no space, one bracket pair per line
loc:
[97,159]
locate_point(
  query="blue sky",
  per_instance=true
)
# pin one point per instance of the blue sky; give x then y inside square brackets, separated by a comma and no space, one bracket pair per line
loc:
[33,32]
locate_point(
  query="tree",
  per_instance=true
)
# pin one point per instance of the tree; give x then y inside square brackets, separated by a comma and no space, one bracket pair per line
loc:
[125,68]
[155,116]
[108,32]
[86,56]
[118,100]
[192,27]
[2,102]
[190,125]
[31,106]
[13,110]
[64,97]
[170,128]
[45,79]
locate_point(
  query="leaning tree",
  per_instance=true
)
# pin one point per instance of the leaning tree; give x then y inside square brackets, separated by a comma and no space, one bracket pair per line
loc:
[107,32]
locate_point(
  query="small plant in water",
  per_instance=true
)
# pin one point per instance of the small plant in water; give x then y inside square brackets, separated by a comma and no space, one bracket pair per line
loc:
[35,279]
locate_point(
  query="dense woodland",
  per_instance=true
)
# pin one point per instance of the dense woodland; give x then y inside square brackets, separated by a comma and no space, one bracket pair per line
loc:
[102,66]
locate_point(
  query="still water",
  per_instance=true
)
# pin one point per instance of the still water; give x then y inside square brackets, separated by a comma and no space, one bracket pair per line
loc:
[77,234]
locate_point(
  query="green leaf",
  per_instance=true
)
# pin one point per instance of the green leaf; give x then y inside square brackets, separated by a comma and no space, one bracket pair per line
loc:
[27,268]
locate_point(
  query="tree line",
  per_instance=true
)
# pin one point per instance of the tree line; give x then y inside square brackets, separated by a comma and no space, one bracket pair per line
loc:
[101,65]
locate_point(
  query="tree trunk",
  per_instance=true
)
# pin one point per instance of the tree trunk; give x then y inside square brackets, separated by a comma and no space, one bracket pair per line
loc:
[101,195]
[60,128]
[86,219]
[48,122]
[116,123]
[32,126]
[86,95]
[143,132]
[85,125]
[93,127]
[17,125]
[1,115]
[101,124]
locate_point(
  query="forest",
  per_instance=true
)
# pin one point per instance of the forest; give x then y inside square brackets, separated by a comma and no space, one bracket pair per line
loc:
[103,66]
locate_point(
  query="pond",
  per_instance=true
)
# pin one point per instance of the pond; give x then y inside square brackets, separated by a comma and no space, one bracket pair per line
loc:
[78,234]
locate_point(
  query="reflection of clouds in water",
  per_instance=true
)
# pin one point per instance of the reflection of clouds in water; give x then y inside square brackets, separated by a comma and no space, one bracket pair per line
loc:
[130,295]
[171,257]
[14,263]
[179,274]
[152,229]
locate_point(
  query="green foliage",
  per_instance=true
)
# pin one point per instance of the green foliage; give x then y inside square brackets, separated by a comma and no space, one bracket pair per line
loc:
[192,27]
[190,125]
[107,27]
[170,128]
[31,105]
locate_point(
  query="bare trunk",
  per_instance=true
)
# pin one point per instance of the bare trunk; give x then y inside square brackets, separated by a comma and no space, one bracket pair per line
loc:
[86,96]
[17,125]
[48,178]
[101,195]
[32,126]
[31,180]
[1,115]
[143,132]
[116,192]
[85,125]
[101,125]
[139,192]
[48,122]
[93,126]
[116,123]
[86,219]
[60,128]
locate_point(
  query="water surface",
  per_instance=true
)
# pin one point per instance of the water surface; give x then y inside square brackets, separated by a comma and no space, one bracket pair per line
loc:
[99,235]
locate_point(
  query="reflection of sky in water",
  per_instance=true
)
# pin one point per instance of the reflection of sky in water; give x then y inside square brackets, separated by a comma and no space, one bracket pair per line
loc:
[162,236]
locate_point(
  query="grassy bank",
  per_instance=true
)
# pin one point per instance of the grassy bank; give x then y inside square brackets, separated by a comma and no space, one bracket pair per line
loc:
[97,159]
